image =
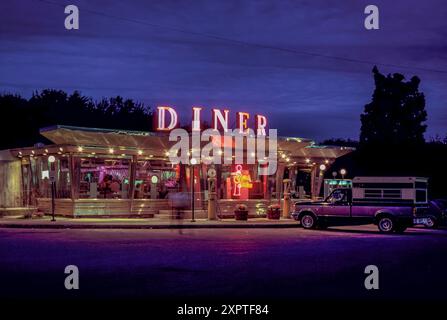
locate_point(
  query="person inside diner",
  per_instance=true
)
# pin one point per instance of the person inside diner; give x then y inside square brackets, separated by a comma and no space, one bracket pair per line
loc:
[115,187]
[105,185]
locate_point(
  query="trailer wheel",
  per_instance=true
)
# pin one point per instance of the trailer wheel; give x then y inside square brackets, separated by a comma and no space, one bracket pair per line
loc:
[308,221]
[386,224]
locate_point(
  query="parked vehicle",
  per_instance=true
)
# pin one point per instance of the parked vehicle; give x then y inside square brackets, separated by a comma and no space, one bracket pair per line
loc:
[392,203]
[436,214]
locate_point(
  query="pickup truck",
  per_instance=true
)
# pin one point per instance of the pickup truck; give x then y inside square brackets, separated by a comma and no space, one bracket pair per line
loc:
[340,209]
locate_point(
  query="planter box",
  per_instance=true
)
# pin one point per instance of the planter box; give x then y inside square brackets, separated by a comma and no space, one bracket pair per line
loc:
[274,213]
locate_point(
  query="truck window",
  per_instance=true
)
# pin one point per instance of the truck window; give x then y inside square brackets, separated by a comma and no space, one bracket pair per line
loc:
[383,193]
[392,193]
[373,193]
[337,196]
[421,196]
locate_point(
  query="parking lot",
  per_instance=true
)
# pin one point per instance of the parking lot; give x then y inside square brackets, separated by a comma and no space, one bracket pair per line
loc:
[212,264]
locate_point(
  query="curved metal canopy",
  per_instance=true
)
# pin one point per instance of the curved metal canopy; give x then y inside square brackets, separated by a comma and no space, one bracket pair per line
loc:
[95,137]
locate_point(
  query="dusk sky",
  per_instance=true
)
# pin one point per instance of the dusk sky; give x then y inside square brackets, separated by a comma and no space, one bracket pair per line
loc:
[171,52]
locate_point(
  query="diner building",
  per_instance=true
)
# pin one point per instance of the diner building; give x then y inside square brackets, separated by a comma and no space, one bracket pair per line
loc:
[118,173]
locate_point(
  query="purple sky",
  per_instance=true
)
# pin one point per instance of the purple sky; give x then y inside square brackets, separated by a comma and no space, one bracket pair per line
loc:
[302,95]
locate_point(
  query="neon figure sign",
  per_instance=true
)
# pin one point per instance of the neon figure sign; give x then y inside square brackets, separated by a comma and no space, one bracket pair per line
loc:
[241,180]
[220,120]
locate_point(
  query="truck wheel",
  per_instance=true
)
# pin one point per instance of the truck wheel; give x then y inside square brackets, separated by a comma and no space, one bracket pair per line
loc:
[386,224]
[308,221]
[431,223]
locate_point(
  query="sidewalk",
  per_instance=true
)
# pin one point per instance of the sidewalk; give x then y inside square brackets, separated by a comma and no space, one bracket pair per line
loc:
[135,223]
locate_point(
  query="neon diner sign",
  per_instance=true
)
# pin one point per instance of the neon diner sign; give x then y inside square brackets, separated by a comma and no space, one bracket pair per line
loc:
[166,119]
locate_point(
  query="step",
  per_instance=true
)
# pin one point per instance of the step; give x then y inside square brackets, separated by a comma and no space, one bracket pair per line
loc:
[167,214]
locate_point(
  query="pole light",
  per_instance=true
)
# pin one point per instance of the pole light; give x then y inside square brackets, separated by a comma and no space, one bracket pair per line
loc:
[51,160]
[193,162]
[343,172]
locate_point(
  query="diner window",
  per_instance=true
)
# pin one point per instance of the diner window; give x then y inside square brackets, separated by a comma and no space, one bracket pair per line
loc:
[106,178]
[155,179]
[40,185]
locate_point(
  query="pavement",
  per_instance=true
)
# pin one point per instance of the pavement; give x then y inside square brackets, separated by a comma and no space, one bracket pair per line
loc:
[222,265]
[137,223]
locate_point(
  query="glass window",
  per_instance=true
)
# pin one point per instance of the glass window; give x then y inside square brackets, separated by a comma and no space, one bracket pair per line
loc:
[392,193]
[104,178]
[155,179]
[373,193]
[421,195]
[40,177]
[338,195]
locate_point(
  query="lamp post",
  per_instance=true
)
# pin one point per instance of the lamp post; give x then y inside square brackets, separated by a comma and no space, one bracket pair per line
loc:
[193,161]
[51,160]
[343,172]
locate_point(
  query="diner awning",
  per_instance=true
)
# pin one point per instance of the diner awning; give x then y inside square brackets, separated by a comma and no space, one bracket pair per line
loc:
[94,137]
[159,142]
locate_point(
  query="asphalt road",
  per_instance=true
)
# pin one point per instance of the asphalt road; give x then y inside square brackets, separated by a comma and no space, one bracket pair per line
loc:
[213,264]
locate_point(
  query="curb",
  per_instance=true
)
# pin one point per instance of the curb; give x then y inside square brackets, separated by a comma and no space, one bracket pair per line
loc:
[161,226]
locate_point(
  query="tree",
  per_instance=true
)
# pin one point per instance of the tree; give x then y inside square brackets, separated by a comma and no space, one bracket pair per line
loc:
[340,142]
[55,107]
[16,129]
[396,114]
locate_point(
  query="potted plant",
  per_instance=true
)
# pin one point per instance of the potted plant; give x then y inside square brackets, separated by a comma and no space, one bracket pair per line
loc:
[274,211]
[241,212]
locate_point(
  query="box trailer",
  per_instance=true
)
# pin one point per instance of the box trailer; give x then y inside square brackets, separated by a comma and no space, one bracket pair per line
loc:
[390,189]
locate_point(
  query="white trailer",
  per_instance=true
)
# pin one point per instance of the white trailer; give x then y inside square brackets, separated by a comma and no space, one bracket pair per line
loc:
[390,189]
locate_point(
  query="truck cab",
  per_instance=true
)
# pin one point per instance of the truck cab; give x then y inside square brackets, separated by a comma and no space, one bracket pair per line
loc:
[337,206]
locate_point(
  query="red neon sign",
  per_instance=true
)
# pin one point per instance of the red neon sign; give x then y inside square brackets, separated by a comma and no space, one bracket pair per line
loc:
[166,119]
[241,179]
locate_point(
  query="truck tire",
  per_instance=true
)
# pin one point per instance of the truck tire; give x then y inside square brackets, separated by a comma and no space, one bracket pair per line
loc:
[308,221]
[386,224]
[432,223]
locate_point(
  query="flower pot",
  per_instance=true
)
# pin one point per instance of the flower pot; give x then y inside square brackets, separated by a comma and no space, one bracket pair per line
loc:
[274,213]
[241,215]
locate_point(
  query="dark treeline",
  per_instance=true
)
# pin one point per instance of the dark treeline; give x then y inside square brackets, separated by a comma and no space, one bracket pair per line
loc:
[392,136]
[24,117]
[341,142]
